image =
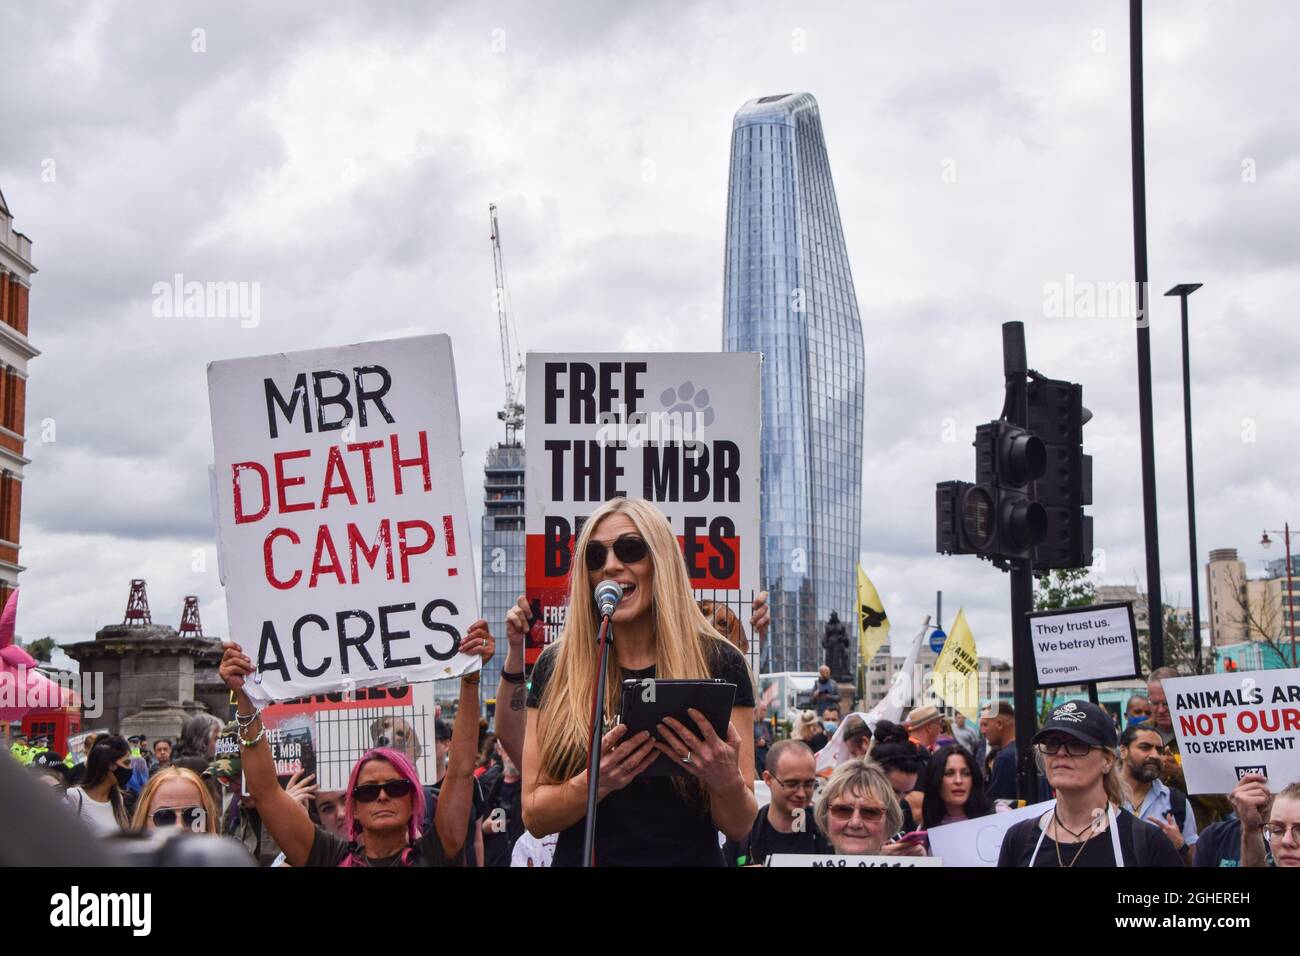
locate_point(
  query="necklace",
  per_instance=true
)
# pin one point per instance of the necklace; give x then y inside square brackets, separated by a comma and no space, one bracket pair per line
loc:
[1057,843]
[1062,826]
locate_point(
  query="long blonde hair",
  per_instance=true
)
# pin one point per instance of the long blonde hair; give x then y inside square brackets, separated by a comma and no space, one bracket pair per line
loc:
[682,639]
[142,807]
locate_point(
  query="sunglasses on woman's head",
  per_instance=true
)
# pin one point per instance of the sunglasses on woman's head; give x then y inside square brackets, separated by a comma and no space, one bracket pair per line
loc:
[196,818]
[369,792]
[629,549]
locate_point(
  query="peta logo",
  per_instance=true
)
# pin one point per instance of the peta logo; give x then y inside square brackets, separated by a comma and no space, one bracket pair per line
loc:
[1069,712]
[103,909]
[1259,769]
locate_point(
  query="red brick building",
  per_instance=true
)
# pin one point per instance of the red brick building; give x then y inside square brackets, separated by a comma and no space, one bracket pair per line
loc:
[16,271]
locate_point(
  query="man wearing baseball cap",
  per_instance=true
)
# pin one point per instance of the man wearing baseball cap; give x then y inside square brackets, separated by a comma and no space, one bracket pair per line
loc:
[1087,826]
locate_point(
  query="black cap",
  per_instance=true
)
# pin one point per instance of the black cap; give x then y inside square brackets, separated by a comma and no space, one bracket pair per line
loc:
[1081,720]
[48,760]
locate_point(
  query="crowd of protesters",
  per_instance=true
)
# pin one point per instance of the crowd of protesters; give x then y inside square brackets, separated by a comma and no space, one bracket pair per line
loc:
[515,794]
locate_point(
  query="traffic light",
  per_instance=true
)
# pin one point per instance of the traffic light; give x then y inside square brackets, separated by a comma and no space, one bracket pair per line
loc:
[1056,414]
[996,517]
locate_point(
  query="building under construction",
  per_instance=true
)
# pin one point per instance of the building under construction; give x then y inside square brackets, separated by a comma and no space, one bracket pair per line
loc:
[502,551]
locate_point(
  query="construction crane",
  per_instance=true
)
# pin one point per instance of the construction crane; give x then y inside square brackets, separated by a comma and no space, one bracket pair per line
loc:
[513,412]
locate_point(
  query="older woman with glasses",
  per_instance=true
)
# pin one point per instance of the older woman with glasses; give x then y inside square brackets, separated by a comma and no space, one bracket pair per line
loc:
[859,813]
[1087,827]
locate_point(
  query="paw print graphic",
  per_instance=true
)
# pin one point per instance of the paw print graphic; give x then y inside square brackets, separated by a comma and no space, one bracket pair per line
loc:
[685,400]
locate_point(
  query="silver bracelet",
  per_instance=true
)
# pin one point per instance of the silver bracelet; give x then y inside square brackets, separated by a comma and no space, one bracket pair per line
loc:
[255,741]
[245,722]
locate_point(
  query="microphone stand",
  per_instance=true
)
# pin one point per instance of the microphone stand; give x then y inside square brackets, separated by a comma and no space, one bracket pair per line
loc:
[593,751]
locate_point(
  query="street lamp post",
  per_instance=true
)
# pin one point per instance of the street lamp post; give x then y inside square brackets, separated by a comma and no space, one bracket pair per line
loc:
[1146,425]
[1290,609]
[1183,291]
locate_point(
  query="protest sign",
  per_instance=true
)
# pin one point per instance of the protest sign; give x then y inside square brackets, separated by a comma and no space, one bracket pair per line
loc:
[1229,725]
[77,745]
[978,842]
[342,522]
[833,860]
[1081,645]
[343,729]
[680,430]
[292,742]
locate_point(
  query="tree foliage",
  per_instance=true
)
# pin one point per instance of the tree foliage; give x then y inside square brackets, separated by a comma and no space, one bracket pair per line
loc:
[1067,587]
[42,649]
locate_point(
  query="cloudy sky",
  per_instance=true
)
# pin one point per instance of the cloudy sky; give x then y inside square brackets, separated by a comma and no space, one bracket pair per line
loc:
[343,157]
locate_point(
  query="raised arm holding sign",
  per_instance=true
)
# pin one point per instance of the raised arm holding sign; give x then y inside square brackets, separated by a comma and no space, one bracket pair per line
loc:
[342,522]
[384,802]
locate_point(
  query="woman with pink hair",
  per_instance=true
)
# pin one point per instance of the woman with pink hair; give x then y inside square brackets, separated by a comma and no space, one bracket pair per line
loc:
[384,802]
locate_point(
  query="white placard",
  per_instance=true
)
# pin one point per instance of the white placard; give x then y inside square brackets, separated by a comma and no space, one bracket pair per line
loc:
[1084,644]
[679,429]
[1228,725]
[978,842]
[834,860]
[342,523]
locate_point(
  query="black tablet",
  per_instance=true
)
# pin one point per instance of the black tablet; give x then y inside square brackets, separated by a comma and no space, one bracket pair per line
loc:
[648,701]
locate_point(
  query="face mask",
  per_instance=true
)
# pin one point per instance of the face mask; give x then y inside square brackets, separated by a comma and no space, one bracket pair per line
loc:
[830,726]
[123,775]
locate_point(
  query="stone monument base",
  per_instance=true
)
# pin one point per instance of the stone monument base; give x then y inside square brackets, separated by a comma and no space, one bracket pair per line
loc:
[159,718]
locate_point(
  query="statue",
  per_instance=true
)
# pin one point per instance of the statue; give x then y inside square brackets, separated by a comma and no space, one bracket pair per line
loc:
[836,643]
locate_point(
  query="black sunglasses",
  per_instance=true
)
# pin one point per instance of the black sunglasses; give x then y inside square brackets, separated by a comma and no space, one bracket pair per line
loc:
[369,792]
[1072,746]
[196,818]
[629,549]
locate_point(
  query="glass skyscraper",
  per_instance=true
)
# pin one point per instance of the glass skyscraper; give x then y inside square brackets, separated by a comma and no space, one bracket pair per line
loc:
[788,293]
[502,550]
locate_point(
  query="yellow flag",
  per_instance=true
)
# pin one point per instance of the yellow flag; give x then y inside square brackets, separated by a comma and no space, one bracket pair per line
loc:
[956,676]
[873,624]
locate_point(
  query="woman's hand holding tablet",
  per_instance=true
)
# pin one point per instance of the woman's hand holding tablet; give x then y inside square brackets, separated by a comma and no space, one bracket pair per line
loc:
[702,752]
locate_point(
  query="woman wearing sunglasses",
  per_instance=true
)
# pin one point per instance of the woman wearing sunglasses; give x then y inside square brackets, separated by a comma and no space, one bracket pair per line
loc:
[384,802]
[175,798]
[858,811]
[658,632]
[1087,827]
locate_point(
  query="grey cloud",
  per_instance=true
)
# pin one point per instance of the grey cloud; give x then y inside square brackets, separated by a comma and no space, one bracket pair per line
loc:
[156,145]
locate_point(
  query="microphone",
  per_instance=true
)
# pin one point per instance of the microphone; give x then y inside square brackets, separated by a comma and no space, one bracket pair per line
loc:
[607,596]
